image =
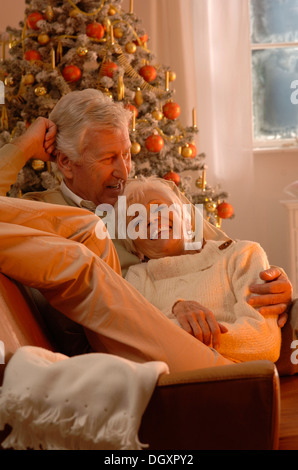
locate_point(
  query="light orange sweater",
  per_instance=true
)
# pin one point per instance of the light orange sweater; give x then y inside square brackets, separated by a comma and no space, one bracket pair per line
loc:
[219,280]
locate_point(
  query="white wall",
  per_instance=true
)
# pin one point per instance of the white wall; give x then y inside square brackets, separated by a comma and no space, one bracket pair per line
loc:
[259,214]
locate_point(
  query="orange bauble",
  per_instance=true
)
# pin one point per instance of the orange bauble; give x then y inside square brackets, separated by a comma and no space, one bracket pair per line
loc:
[194,150]
[95,30]
[142,40]
[148,72]
[171,110]
[225,210]
[132,108]
[172,176]
[32,54]
[154,143]
[33,18]
[71,73]
[108,69]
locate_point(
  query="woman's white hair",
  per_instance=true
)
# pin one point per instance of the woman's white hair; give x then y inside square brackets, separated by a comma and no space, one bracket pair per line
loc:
[78,111]
[135,190]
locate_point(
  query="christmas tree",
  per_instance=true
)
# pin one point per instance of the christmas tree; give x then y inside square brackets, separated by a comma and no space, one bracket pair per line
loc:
[76,44]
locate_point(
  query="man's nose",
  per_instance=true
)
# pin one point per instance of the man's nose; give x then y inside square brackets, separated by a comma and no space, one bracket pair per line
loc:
[121,169]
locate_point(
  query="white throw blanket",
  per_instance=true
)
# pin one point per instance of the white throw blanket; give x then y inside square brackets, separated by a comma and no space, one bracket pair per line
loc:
[92,401]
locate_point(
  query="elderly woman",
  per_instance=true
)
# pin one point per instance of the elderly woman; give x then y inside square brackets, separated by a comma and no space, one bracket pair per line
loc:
[202,286]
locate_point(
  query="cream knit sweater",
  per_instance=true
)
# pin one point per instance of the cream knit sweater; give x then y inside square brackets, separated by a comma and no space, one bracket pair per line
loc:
[219,279]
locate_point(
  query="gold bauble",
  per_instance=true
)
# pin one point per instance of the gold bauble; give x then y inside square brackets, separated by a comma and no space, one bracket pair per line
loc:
[73,13]
[49,13]
[82,51]
[118,33]
[210,206]
[112,11]
[37,165]
[9,81]
[186,151]
[139,97]
[40,90]
[28,79]
[157,114]
[172,76]
[43,38]
[135,148]
[131,47]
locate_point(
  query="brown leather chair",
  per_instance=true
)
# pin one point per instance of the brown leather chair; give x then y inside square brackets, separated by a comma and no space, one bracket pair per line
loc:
[229,407]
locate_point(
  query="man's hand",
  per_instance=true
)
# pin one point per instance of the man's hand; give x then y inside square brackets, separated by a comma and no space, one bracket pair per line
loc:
[274,296]
[199,322]
[39,140]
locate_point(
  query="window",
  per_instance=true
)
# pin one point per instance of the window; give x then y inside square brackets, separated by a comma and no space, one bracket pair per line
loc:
[274,56]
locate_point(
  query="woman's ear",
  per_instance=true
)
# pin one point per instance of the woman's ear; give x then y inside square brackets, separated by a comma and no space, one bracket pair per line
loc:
[64,164]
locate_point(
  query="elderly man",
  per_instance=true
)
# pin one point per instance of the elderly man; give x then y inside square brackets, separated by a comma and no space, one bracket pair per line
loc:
[88,134]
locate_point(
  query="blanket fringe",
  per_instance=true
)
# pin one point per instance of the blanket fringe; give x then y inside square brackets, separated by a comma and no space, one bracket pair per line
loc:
[59,428]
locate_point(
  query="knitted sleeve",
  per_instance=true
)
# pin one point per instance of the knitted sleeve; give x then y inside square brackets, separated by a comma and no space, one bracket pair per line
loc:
[251,336]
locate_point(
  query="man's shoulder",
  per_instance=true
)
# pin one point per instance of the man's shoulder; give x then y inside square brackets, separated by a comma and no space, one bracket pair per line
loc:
[52,196]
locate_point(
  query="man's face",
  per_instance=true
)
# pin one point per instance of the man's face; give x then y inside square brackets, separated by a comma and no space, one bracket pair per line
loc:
[101,173]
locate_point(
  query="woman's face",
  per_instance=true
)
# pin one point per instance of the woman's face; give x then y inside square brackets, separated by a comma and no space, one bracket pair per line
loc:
[156,226]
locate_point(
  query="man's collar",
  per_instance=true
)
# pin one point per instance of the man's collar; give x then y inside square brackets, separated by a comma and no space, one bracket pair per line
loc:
[77,200]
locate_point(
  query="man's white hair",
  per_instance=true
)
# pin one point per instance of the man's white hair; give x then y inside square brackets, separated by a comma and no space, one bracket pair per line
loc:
[78,111]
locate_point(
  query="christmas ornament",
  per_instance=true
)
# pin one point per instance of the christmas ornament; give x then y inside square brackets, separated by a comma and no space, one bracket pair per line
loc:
[28,79]
[37,165]
[71,73]
[154,143]
[225,210]
[171,110]
[82,51]
[135,148]
[73,13]
[157,114]
[112,11]
[130,48]
[118,33]
[43,38]
[142,40]
[194,150]
[108,69]
[9,81]
[49,13]
[186,151]
[139,100]
[148,72]
[210,206]
[172,76]
[172,176]
[189,151]
[95,30]
[33,19]
[132,108]
[40,90]
[32,55]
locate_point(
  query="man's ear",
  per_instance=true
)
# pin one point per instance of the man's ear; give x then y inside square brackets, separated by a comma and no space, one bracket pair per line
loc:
[64,165]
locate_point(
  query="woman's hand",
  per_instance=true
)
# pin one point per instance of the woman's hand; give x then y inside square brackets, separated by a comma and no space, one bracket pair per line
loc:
[199,321]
